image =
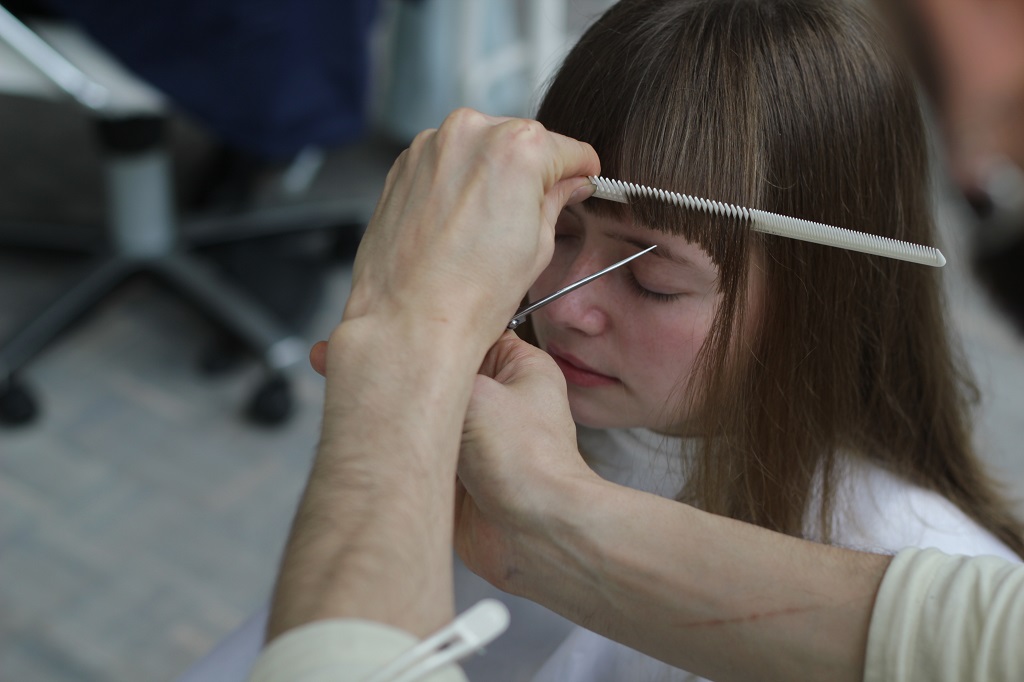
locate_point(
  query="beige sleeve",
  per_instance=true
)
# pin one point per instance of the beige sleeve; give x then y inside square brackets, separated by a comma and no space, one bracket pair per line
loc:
[940,617]
[342,650]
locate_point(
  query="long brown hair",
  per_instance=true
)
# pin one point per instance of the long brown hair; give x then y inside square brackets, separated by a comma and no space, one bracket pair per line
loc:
[798,107]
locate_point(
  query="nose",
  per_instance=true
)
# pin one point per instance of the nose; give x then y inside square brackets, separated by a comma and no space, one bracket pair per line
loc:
[585,309]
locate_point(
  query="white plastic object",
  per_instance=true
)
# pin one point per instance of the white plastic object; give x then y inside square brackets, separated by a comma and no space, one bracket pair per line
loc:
[476,627]
[773,223]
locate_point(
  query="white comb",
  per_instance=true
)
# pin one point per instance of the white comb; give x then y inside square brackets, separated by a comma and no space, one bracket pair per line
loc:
[773,223]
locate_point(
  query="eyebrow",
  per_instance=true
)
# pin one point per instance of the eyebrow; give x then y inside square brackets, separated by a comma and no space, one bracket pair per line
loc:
[661,252]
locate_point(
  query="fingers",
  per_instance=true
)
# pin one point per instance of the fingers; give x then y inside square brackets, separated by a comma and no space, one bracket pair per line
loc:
[581,191]
[566,192]
[511,360]
[527,140]
[578,158]
[532,148]
[505,351]
[318,358]
[466,223]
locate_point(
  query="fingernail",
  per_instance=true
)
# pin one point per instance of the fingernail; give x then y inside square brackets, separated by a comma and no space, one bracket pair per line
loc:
[580,194]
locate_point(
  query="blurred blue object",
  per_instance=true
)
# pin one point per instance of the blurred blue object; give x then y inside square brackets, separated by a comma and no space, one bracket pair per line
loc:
[431,61]
[269,77]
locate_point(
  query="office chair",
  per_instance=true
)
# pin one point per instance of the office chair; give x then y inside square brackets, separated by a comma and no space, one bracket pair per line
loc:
[143,234]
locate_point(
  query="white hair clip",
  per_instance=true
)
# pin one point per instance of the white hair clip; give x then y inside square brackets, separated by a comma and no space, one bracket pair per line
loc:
[476,627]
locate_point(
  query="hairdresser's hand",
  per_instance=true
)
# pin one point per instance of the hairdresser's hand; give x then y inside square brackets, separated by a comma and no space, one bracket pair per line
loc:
[464,226]
[466,221]
[518,460]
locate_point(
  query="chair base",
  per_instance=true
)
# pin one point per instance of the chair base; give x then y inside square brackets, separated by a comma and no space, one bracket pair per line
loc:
[186,276]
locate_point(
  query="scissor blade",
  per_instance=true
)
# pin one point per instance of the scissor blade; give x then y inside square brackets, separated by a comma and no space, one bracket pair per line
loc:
[521,315]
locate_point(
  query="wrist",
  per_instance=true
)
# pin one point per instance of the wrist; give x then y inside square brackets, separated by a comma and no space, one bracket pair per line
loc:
[381,494]
[556,543]
[399,386]
[468,314]
[395,335]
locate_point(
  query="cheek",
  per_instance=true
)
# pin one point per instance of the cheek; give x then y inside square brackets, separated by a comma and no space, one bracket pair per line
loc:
[666,352]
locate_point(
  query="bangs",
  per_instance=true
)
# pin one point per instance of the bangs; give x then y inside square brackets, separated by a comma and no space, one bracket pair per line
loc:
[672,107]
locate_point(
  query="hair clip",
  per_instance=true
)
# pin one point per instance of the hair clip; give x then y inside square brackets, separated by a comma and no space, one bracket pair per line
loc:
[474,628]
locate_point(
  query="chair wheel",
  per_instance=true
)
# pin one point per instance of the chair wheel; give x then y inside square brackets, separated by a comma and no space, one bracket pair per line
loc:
[17,406]
[271,404]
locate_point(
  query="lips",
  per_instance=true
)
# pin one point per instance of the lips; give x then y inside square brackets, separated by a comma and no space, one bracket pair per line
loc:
[577,372]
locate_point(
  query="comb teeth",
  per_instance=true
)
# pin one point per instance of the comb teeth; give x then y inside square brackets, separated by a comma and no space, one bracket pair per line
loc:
[773,223]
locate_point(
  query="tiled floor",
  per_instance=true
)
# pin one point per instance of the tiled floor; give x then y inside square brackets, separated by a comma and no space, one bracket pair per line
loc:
[140,516]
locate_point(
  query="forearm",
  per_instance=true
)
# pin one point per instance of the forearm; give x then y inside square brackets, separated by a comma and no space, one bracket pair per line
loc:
[372,535]
[719,598]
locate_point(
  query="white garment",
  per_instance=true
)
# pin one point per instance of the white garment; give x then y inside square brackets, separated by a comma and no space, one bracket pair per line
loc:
[875,510]
[947,618]
[338,650]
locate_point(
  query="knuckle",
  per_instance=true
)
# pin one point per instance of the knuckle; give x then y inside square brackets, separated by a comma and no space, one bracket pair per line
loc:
[396,169]
[410,156]
[421,140]
[458,124]
[531,129]
[526,140]
[462,116]
[402,162]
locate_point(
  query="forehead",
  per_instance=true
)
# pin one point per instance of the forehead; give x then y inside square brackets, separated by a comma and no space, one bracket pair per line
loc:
[673,249]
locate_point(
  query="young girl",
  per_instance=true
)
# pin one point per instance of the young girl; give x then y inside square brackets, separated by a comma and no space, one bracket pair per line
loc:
[807,389]
[803,388]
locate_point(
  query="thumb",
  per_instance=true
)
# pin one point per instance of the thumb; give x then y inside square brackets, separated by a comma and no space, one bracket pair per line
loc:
[318,358]
[510,357]
[565,193]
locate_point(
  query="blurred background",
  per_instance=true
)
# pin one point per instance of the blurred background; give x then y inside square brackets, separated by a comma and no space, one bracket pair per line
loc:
[153,438]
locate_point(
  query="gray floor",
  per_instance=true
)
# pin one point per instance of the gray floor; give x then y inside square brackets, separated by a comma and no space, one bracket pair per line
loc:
[141,518]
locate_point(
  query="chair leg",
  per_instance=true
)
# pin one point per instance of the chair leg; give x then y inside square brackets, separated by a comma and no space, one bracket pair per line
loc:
[271,403]
[31,338]
[233,309]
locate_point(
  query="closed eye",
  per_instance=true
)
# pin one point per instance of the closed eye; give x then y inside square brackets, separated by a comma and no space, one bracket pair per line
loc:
[645,293]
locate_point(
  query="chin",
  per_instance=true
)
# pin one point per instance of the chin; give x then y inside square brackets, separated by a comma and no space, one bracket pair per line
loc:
[592,417]
[594,424]
[588,418]
[598,419]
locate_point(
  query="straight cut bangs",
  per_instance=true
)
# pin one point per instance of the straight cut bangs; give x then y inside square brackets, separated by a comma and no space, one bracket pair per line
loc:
[799,107]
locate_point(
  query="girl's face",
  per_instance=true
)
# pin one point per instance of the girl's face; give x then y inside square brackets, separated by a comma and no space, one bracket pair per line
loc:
[627,341]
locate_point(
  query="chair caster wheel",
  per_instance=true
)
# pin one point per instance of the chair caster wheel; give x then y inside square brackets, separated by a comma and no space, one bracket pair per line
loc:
[271,404]
[17,406]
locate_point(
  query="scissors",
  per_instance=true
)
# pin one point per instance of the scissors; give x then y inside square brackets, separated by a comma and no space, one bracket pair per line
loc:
[521,315]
